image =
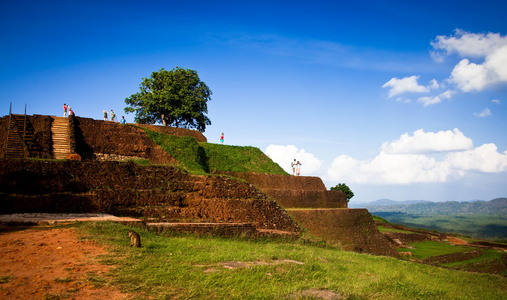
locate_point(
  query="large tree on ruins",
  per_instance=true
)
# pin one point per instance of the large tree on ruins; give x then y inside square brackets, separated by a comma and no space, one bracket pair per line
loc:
[174,98]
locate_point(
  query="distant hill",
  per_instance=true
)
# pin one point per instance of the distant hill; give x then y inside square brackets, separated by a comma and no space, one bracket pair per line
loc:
[495,206]
[480,219]
[385,202]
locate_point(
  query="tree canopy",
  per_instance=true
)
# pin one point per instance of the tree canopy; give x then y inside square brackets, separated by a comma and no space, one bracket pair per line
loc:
[174,98]
[345,189]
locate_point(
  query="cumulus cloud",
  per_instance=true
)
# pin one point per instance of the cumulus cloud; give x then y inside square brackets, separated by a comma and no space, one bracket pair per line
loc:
[408,160]
[484,159]
[483,65]
[405,85]
[490,49]
[485,113]
[284,155]
[388,168]
[469,76]
[495,101]
[426,142]
[468,44]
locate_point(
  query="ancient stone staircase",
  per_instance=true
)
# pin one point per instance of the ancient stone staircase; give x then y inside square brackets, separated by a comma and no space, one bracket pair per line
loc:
[61,137]
[15,147]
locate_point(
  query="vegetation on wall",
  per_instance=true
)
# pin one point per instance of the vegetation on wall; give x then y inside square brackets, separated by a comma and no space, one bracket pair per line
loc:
[204,158]
[345,189]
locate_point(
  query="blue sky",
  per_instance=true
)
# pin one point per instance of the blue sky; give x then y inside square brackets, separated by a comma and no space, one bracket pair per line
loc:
[397,100]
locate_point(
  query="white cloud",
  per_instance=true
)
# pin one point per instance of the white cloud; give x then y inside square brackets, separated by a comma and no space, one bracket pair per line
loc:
[484,64]
[434,84]
[389,169]
[447,94]
[405,85]
[407,160]
[469,44]
[429,100]
[484,159]
[284,155]
[426,142]
[470,76]
[495,101]
[485,113]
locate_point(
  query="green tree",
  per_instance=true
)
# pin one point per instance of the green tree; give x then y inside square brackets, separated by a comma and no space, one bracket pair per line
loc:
[174,98]
[345,189]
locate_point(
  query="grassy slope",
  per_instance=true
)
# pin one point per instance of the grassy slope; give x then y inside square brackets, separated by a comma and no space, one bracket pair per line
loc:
[201,158]
[187,267]
[426,249]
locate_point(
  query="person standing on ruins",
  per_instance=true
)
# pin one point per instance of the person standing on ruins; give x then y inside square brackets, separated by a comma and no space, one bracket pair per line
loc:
[293,166]
[64,110]
[105,115]
[112,115]
[123,120]
[298,168]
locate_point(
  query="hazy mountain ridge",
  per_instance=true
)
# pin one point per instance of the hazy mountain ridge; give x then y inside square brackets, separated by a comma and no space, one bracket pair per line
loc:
[385,202]
[496,206]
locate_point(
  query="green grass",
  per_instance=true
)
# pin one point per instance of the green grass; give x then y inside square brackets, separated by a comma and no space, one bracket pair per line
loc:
[383,229]
[184,149]
[488,255]
[432,248]
[187,267]
[239,159]
[203,158]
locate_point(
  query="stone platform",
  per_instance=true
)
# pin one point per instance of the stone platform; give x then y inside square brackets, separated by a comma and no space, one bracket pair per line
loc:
[54,218]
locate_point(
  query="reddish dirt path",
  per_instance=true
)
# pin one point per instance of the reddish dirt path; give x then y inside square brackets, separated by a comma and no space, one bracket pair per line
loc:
[456,241]
[51,264]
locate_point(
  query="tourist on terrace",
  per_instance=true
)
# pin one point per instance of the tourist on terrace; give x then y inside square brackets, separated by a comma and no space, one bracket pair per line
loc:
[293,166]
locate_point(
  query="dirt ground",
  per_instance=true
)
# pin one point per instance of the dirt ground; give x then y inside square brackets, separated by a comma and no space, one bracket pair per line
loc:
[52,264]
[456,241]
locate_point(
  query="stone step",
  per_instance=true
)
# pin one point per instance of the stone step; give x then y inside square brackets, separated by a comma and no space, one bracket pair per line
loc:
[60,137]
[224,229]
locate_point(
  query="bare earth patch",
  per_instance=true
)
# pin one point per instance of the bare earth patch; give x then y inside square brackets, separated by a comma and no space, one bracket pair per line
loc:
[456,241]
[52,264]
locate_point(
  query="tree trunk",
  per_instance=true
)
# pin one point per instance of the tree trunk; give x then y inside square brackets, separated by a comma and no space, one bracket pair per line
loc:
[163,120]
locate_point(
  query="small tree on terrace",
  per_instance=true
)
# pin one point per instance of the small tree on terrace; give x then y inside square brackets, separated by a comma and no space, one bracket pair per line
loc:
[177,98]
[345,189]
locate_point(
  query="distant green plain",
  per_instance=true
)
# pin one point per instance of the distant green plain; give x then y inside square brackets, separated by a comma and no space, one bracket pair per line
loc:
[492,227]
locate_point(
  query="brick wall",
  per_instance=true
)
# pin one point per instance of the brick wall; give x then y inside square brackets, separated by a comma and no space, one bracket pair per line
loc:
[156,192]
[353,228]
